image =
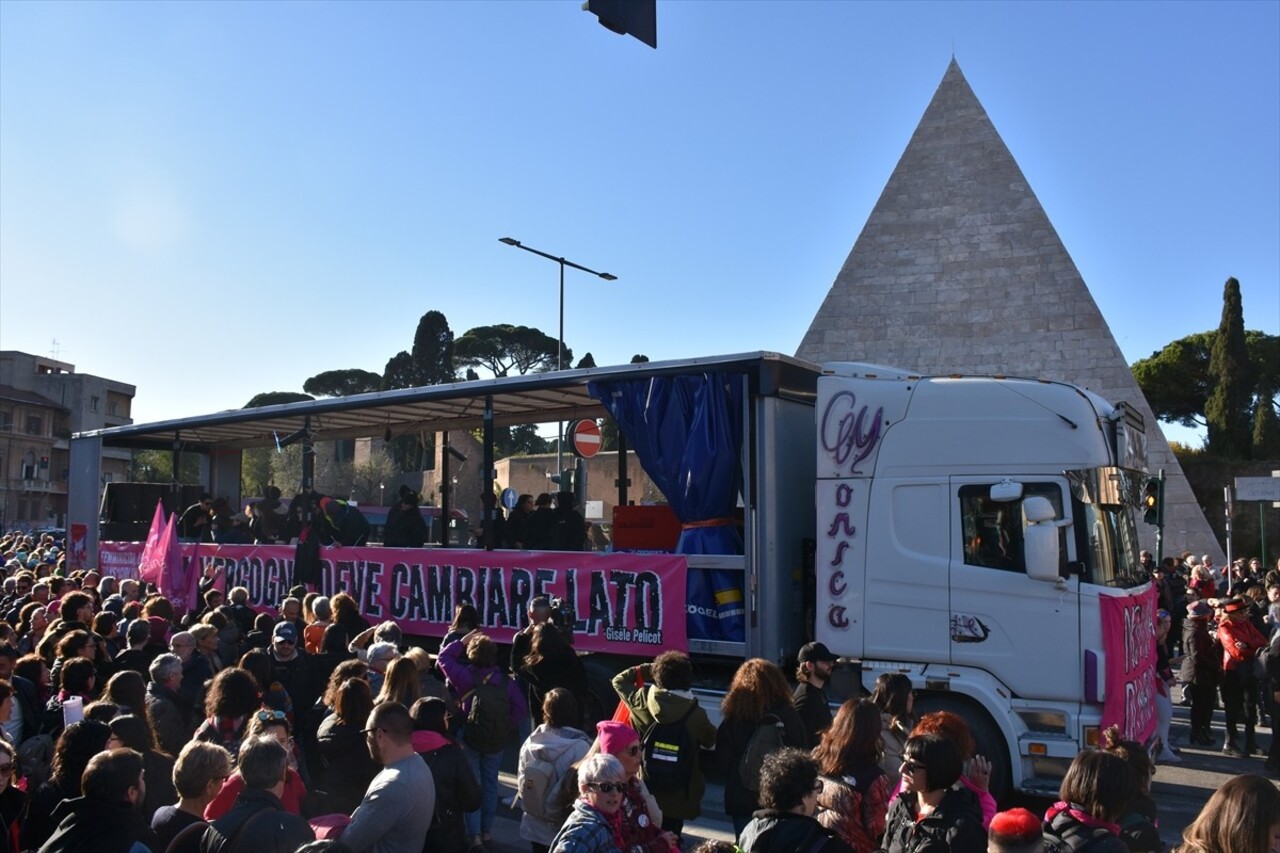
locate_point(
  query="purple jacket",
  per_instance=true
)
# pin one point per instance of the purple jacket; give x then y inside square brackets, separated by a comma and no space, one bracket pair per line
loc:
[462,677]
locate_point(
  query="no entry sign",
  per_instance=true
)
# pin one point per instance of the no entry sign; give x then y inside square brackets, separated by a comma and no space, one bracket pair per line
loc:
[584,438]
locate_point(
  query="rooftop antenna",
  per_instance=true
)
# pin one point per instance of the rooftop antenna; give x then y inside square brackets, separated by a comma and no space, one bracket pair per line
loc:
[54,350]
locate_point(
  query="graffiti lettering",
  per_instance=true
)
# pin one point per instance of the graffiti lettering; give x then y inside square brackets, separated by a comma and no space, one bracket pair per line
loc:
[841,520]
[839,557]
[847,436]
[844,494]
[837,618]
[836,585]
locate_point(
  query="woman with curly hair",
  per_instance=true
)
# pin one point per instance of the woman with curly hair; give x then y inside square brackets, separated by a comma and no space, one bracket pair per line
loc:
[758,695]
[347,614]
[977,770]
[894,696]
[855,790]
[346,768]
[1242,815]
[78,743]
[232,697]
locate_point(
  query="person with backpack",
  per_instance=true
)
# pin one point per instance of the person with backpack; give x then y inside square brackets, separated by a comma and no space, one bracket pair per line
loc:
[491,708]
[855,789]
[789,788]
[457,790]
[545,759]
[1095,793]
[758,718]
[673,732]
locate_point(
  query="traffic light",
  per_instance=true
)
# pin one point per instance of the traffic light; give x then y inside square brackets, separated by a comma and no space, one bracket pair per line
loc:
[1152,502]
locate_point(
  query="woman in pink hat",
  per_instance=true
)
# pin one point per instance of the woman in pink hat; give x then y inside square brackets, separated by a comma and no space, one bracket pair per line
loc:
[641,818]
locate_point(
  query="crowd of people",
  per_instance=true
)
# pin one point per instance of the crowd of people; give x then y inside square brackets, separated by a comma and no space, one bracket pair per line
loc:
[1219,639]
[129,726]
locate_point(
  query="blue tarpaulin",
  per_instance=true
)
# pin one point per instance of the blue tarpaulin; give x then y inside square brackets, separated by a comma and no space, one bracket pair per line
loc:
[687,434]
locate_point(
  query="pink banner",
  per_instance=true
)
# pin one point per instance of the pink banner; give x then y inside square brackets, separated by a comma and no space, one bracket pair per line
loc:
[1129,640]
[623,603]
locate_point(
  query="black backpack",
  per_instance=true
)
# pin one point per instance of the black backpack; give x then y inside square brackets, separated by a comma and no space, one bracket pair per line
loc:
[765,740]
[670,755]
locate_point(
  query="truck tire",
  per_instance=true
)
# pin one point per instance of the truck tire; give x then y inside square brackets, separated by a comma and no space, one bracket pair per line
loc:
[989,742]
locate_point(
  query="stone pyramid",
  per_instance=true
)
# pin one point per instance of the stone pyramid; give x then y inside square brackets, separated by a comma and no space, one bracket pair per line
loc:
[959,269]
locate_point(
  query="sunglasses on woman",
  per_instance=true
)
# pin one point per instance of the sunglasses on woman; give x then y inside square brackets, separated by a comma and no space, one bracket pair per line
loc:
[607,787]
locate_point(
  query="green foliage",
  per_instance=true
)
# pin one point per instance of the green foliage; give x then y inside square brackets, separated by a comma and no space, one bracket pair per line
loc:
[430,363]
[369,478]
[399,372]
[639,359]
[433,349]
[1266,430]
[342,383]
[586,361]
[255,470]
[156,466]
[503,348]
[1175,380]
[276,398]
[1228,406]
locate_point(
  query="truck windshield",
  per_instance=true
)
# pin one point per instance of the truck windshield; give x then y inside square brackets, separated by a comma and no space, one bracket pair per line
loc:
[1108,544]
[1106,540]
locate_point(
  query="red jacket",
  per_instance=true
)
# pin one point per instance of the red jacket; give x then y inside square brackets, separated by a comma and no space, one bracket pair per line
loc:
[1242,632]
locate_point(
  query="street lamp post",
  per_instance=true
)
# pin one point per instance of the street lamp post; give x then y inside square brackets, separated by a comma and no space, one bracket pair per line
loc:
[510,241]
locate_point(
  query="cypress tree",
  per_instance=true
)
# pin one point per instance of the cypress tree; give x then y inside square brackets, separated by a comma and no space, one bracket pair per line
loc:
[1266,426]
[1228,408]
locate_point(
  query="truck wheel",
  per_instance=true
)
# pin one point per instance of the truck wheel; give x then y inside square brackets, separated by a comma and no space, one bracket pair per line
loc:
[988,740]
[600,701]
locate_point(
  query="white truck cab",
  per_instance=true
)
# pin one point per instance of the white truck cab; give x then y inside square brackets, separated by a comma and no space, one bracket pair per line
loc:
[966,528]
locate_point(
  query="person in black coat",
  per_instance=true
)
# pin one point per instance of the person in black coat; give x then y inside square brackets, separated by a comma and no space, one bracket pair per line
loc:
[930,814]
[542,523]
[457,790]
[1201,670]
[551,663]
[758,694]
[789,786]
[346,768]
[518,524]
[1095,793]
[405,526]
[106,818]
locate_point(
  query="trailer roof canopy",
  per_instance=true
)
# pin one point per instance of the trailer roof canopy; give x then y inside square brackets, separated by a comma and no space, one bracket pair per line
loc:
[533,398]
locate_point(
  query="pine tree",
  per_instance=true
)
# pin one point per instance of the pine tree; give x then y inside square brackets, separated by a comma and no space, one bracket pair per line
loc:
[1266,426]
[1228,407]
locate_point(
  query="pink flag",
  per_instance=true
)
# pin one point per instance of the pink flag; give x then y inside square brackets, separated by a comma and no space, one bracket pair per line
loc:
[151,564]
[168,555]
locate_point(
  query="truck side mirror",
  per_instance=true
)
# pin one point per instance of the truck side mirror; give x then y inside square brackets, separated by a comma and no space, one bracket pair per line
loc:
[1040,541]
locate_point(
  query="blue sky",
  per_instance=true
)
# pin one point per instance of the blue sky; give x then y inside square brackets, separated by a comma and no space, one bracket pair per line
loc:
[209,200]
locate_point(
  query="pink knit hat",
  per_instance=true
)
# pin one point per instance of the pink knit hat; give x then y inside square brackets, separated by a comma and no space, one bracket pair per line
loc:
[615,737]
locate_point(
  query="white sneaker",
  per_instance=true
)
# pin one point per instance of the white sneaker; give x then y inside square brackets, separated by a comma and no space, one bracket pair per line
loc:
[1169,757]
